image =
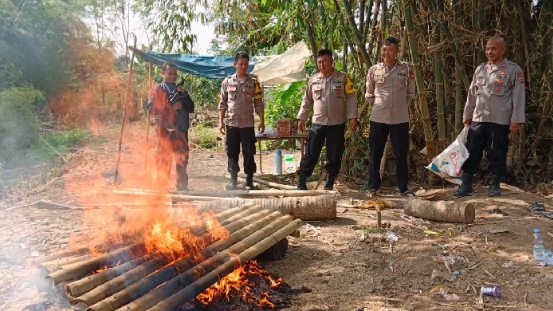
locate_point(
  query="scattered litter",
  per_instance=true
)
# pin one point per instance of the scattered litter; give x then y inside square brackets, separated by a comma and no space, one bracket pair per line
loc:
[309,227]
[497,210]
[362,238]
[449,294]
[548,257]
[538,208]
[428,232]
[437,274]
[507,265]
[489,290]
[392,236]
[498,230]
[35,254]
[23,246]
[444,259]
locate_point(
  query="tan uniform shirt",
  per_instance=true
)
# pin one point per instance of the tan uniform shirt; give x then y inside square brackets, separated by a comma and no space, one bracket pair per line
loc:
[241,99]
[329,97]
[496,94]
[390,90]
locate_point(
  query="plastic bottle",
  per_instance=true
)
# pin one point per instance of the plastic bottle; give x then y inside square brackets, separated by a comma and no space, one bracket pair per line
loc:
[494,291]
[278,162]
[290,165]
[539,249]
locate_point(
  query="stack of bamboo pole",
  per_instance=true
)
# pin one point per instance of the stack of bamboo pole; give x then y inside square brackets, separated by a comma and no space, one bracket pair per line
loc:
[137,280]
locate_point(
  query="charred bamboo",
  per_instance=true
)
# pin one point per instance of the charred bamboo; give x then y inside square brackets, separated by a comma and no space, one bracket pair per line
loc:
[79,287]
[145,285]
[80,269]
[198,271]
[195,288]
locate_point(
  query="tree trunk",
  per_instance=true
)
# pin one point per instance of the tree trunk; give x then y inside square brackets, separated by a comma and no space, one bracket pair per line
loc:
[446,211]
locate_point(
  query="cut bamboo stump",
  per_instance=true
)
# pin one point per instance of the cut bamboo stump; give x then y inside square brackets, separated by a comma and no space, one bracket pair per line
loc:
[446,211]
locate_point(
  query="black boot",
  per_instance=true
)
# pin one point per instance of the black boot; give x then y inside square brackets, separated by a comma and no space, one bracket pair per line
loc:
[330,182]
[233,183]
[301,182]
[466,187]
[249,182]
[494,190]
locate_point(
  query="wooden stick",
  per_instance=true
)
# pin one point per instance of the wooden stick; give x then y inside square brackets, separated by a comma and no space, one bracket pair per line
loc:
[192,290]
[80,269]
[57,264]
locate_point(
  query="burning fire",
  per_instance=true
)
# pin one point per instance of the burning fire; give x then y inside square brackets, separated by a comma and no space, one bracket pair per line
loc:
[244,282]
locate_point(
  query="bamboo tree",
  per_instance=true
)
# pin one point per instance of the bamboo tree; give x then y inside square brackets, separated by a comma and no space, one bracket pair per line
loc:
[437,7]
[421,89]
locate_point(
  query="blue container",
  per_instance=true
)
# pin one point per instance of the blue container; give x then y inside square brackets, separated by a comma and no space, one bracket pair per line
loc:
[278,162]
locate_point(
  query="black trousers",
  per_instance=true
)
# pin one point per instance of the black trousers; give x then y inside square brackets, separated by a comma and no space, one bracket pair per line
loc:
[335,145]
[493,137]
[399,135]
[169,145]
[234,137]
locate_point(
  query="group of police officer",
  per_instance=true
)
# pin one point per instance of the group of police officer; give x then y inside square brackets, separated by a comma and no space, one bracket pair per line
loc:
[494,108]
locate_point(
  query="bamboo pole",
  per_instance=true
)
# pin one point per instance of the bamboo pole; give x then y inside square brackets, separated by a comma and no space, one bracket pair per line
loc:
[80,269]
[167,289]
[127,97]
[142,291]
[124,292]
[57,264]
[423,105]
[81,286]
[192,290]
[438,9]
[61,254]
[269,183]
[216,194]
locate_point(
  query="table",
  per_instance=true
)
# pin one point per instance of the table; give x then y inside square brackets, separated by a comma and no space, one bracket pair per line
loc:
[301,138]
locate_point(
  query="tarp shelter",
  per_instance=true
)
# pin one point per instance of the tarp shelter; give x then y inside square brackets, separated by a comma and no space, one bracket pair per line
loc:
[270,70]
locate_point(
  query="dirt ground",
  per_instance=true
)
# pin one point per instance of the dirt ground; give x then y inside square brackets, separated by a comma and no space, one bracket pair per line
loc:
[346,263]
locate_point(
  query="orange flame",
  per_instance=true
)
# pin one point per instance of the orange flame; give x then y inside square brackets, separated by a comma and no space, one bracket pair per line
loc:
[238,284]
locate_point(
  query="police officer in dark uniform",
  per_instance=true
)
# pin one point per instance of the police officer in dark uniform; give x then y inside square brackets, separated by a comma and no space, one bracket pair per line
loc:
[390,86]
[241,96]
[495,106]
[332,96]
[172,107]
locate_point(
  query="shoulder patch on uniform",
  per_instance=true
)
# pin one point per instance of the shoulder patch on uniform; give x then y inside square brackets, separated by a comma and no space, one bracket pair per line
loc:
[520,76]
[411,74]
[258,92]
[350,87]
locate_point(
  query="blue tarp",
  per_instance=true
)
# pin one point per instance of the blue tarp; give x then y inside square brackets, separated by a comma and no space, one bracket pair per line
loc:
[213,67]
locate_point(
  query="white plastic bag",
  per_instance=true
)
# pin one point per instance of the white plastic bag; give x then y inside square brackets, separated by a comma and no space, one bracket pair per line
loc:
[448,163]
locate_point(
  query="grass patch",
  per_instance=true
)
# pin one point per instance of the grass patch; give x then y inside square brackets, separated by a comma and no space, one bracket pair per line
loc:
[204,137]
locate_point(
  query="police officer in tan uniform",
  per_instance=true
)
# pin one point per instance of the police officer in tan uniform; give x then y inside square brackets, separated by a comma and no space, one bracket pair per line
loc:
[333,98]
[241,95]
[495,106]
[390,86]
